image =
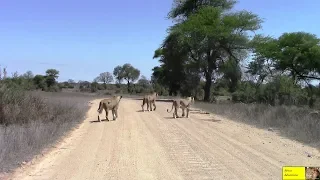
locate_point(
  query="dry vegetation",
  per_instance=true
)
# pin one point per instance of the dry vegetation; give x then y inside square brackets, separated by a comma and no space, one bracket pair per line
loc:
[32,121]
[297,123]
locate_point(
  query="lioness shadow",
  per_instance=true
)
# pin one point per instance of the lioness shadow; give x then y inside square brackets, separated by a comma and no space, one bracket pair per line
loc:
[97,121]
[144,111]
[210,120]
[175,118]
[198,112]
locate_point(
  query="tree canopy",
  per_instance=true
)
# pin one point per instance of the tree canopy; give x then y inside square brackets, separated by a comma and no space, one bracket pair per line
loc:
[210,36]
[105,78]
[126,72]
[296,54]
[206,47]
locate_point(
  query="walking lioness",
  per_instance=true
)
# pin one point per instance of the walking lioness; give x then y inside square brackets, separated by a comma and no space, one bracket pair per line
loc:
[183,104]
[110,104]
[149,100]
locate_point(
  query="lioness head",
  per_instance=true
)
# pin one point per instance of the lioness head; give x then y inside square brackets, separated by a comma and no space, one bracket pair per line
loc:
[118,98]
[191,99]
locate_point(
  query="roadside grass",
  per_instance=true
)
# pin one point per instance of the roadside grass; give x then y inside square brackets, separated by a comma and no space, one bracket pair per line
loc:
[301,124]
[31,121]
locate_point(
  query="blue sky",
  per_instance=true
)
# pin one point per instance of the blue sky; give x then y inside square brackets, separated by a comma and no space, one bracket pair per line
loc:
[83,38]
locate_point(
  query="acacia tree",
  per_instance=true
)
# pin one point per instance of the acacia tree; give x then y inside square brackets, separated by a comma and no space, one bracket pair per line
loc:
[183,9]
[105,78]
[51,76]
[299,54]
[130,74]
[117,72]
[214,36]
[126,72]
[40,81]
[296,54]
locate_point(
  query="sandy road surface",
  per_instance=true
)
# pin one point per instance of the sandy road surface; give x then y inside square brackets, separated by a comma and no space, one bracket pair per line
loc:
[152,145]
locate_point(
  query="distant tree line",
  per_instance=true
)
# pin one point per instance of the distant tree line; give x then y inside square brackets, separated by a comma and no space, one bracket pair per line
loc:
[125,73]
[205,50]
[29,81]
[48,82]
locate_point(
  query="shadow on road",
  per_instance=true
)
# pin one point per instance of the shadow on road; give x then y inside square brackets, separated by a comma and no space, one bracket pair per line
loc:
[97,121]
[210,120]
[144,111]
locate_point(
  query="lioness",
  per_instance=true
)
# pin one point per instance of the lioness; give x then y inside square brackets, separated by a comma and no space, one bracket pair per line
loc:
[149,100]
[109,104]
[183,104]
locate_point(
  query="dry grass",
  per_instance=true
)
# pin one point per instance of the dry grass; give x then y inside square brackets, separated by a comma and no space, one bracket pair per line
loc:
[32,121]
[300,124]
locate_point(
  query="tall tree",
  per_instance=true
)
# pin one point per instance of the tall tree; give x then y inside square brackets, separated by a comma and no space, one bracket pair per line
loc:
[144,82]
[126,72]
[130,74]
[51,76]
[117,72]
[105,78]
[28,75]
[231,73]
[182,9]
[52,72]
[40,81]
[172,56]
[300,55]
[296,54]
[262,66]
[214,36]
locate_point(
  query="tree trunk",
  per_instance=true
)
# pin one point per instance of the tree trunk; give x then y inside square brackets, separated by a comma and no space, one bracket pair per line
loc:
[208,75]
[207,87]
[134,88]
[128,84]
[170,92]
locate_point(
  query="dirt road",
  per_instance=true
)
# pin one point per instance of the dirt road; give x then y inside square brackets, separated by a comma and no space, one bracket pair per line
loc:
[153,145]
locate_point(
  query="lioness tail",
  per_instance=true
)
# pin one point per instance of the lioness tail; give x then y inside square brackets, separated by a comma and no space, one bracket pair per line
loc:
[100,108]
[171,108]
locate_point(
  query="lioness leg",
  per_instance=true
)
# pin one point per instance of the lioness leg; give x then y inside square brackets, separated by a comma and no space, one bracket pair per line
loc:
[188,112]
[148,104]
[107,113]
[176,112]
[151,103]
[143,103]
[154,104]
[183,114]
[114,114]
[142,106]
